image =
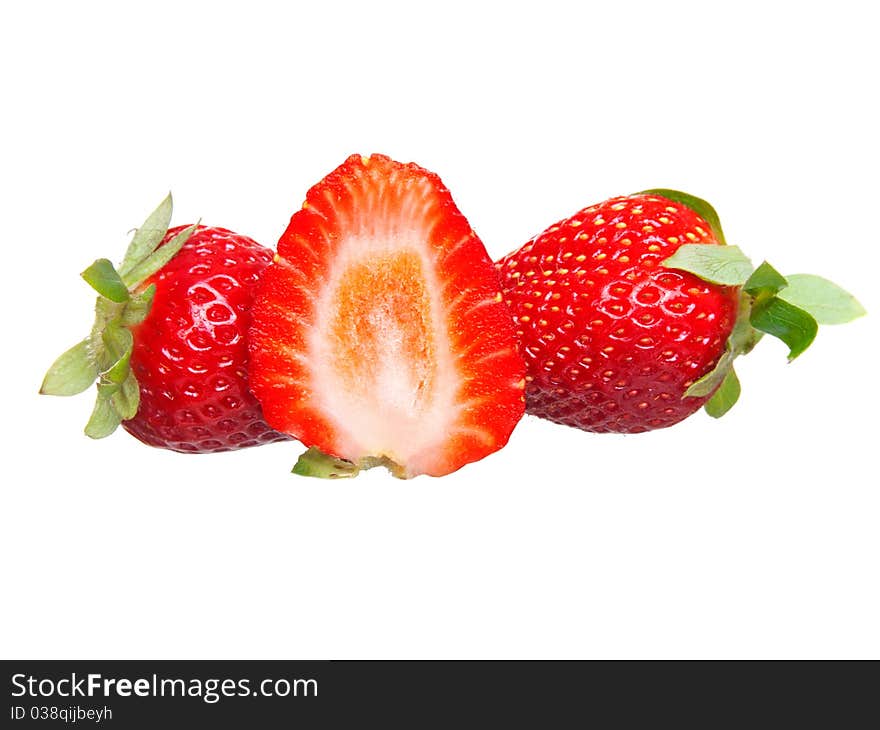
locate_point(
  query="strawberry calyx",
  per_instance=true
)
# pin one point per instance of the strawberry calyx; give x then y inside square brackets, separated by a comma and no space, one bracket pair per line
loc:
[124,301]
[315,463]
[790,308]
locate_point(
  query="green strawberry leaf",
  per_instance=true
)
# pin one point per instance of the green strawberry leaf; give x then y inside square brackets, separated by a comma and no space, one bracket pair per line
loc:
[104,419]
[72,372]
[791,324]
[765,281]
[741,341]
[711,380]
[119,343]
[147,237]
[824,300]
[315,463]
[725,397]
[138,307]
[105,280]
[701,207]
[161,256]
[127,399]
[725,265]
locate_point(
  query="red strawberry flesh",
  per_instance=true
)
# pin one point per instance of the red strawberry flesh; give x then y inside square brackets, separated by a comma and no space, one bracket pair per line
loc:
[380,335]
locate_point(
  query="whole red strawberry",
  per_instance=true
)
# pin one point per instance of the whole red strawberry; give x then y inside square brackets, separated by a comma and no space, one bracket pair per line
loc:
[631,312]
[169,345]
[379,334]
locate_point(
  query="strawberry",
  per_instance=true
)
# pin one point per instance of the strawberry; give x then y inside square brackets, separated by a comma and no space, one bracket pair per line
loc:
[631,312]
[379,334]
[169,344]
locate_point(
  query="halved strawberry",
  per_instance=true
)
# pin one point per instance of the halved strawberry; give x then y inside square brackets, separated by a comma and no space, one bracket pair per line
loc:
[379,333]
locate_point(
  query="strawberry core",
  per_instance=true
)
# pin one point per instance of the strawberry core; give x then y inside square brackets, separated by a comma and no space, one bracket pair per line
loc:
[383,368]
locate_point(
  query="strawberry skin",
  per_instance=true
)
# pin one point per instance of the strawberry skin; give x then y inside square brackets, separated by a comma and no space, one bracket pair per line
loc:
[168,347]
[379,334]
[612,339]
[190,353]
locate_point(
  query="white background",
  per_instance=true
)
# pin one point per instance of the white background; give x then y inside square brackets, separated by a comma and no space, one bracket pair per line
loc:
[753,536]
